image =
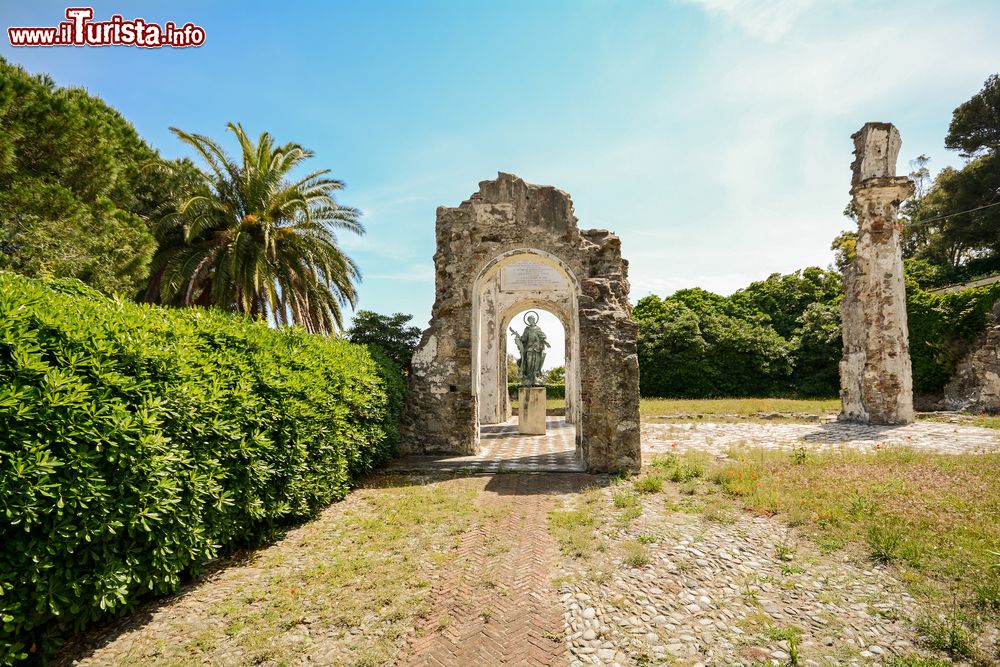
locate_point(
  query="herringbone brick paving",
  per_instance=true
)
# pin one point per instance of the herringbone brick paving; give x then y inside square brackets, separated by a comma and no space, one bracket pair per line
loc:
[503,449]
[495,603]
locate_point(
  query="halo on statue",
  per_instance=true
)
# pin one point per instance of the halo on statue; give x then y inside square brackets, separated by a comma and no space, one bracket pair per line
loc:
[524,318]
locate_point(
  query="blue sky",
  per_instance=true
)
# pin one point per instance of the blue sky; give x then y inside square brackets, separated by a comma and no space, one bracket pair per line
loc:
[712,135]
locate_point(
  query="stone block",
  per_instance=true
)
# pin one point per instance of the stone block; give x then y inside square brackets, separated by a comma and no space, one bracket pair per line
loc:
[531,411]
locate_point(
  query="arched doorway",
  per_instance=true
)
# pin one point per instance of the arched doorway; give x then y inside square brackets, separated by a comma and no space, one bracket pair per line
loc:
[555,329]
[512,246]
[507,284]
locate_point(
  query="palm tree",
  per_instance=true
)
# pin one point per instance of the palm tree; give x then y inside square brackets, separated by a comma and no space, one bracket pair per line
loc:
[251,240]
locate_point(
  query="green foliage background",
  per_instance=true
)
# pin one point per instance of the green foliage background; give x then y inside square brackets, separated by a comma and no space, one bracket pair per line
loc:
[777,336]
[552,390]
[138,442]
[782,336]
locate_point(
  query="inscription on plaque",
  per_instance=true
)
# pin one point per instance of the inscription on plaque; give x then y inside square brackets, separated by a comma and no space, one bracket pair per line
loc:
[532,276]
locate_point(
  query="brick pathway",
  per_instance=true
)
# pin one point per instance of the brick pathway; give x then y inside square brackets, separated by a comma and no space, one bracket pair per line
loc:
[495,604]
[503,449]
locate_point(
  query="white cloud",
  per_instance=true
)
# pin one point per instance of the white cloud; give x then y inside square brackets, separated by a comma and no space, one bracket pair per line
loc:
[422,273]
[766,19]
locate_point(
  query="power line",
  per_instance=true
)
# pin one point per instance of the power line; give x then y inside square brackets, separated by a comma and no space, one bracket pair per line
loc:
[951,215]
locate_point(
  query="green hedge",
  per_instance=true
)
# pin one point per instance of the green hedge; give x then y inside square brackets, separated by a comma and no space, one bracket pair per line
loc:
[551,390]
[138,442]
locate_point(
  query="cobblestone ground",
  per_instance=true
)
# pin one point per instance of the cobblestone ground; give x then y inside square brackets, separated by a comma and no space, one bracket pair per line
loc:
[728,593]
[722,592]
[717,437]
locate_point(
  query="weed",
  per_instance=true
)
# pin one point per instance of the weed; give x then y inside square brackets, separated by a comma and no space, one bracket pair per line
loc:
[718,512]
[689,488]
[947,633]
[884,539]
[629,514]
[647,539]
[623,500]
[784,551]
[861,505]
[750,595]
[648,484]
[635,554]
[799,455]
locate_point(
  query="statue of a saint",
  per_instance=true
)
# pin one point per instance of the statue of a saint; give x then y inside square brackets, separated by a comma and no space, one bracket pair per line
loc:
[531,344]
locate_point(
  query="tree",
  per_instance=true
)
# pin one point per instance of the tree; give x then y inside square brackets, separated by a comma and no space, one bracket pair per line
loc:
[513,372]
[75,189]
[954,224]
[818,347]
[556,375]
[698,344]
[250,240]
[975,124]
[390,333]
[784,298]
[844,249]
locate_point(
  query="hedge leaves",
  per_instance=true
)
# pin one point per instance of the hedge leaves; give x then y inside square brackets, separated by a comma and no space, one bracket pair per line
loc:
[138,442]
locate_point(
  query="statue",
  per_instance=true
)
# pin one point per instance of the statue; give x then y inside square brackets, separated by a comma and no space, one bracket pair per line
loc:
[531,344]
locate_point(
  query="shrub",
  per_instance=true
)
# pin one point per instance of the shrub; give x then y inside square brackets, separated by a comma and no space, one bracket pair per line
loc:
[138,442]
[551,390]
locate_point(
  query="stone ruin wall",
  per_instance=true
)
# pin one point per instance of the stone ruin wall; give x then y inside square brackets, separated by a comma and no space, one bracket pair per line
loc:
[876,382]
[976,384]
[508,215]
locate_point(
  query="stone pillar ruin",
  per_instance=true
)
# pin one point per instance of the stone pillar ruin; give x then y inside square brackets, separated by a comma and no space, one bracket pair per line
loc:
[509,247]
[876,382]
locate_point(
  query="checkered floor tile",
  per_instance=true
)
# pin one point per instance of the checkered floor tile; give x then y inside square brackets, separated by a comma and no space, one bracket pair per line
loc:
[502,448]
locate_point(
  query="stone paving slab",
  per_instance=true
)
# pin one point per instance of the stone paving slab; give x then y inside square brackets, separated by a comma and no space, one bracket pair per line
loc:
[716,437]
[503,449]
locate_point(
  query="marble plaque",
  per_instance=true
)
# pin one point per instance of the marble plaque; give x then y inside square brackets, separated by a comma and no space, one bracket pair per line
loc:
[530,276]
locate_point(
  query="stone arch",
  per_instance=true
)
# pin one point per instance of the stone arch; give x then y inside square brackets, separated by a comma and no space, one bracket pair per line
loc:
[493,308]
[505,220]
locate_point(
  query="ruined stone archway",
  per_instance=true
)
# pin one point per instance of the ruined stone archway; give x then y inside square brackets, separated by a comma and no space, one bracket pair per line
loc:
[453,385]
[514,281]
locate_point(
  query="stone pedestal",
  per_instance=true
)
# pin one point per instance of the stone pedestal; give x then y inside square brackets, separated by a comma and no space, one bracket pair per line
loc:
[531,412]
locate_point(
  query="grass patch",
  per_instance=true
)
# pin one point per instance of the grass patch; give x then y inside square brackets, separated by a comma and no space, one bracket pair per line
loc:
[934,518]
[574,528]
[352,569]
[654,407]
[916,661]
[948,633]
[648,484]
[681,467]
[718,511]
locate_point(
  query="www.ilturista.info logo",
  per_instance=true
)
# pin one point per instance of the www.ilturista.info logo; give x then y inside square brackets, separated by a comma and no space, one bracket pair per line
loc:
[80,30]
